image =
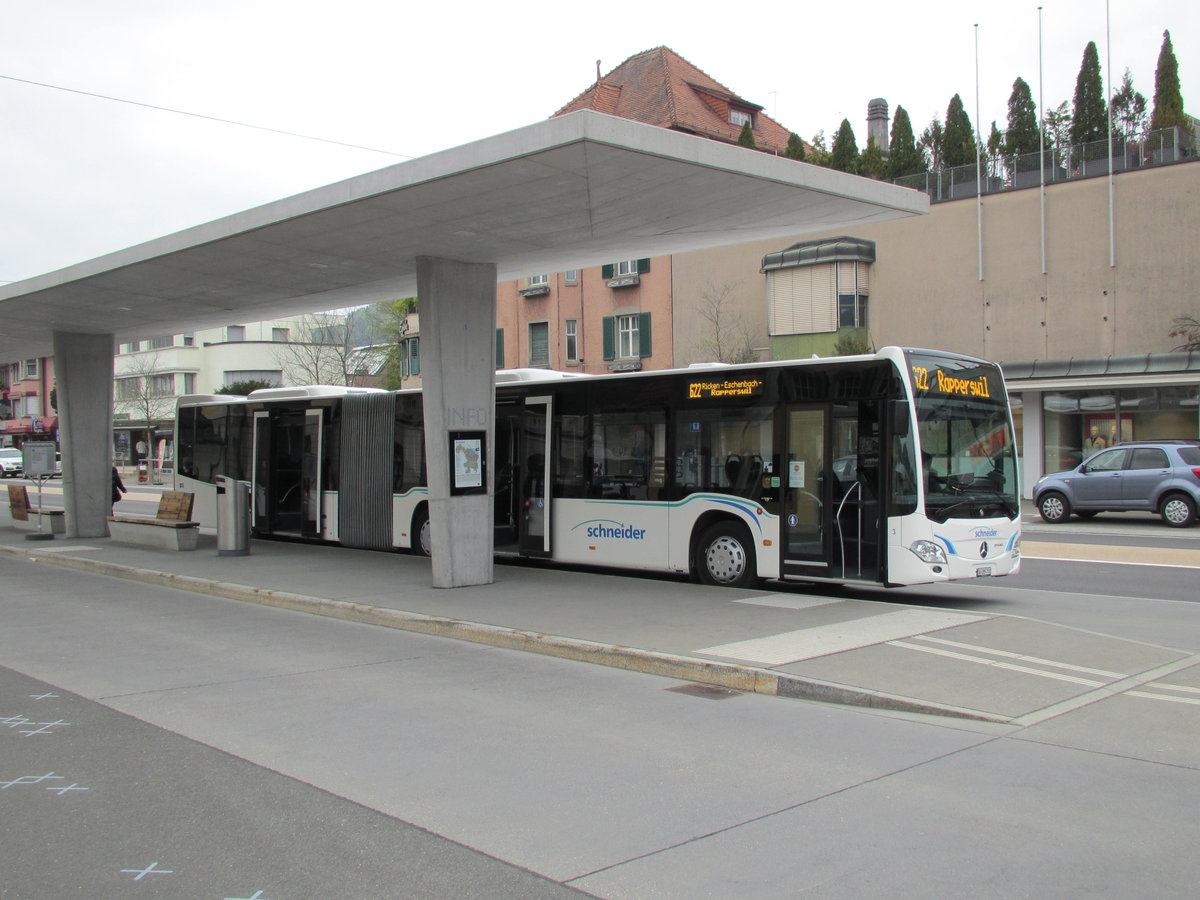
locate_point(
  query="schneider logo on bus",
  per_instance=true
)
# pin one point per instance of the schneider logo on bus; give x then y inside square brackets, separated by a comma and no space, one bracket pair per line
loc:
[746,387]
[948,384]
[606,528]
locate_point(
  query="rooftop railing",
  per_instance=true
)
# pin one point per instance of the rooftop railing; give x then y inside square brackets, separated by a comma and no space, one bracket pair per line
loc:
[1164,146]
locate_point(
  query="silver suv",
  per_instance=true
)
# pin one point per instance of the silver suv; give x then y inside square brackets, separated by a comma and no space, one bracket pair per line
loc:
[12,462]
[1148,476]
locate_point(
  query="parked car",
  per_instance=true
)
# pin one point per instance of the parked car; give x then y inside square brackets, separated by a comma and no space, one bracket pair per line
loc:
[1160,477]
[12,462]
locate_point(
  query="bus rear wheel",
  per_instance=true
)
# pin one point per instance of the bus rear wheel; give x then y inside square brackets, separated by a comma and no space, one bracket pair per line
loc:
[725,556]
[422,539]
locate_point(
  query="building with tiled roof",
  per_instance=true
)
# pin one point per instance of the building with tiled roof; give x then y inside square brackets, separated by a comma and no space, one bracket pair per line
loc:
[660,87]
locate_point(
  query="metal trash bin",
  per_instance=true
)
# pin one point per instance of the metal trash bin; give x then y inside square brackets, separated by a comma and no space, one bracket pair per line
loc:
[233,517]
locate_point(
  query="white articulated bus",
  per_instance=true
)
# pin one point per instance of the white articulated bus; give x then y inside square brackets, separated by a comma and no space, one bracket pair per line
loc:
[893,468]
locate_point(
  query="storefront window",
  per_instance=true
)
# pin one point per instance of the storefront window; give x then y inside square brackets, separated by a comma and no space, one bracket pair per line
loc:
[1080,423]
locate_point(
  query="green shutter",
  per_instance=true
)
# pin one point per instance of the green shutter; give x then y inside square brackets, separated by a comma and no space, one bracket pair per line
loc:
[610,337]
[606,271]
[644,342]
[414,354]
[643,266]
[499,348]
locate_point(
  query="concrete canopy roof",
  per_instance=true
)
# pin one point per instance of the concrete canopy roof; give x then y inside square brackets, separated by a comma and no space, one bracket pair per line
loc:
[574,191]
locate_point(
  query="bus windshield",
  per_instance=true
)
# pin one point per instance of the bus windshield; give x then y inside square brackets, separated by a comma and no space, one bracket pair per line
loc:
[968,455]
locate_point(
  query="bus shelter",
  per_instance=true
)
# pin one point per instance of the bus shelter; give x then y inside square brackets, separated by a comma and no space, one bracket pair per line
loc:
[573,191]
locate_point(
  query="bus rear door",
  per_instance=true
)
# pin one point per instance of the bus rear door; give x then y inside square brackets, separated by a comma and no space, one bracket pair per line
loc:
[522,504]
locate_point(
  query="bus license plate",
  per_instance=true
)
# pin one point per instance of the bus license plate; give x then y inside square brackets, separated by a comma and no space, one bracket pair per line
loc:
[982,571]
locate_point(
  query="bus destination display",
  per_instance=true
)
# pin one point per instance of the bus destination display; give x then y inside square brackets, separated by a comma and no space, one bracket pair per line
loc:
[728,387]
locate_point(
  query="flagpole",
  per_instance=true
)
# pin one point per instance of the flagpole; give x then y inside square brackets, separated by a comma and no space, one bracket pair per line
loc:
[1042,141]
[978,160]
[1112,228]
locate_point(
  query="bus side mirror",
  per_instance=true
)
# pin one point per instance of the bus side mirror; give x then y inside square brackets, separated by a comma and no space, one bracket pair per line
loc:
[901,417]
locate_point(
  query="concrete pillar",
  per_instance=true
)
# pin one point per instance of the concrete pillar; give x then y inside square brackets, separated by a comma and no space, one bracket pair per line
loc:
[1032,441]
[83,365]
[458,375]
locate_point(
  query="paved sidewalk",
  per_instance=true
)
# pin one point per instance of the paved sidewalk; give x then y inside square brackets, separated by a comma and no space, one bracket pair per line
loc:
[807,643]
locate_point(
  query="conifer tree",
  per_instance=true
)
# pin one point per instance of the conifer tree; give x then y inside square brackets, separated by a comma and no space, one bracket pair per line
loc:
[904,158]
[958,140]
[1022,134]
[1168,101]
[795,147]
[932,139]
[871,163]
[844,155]
[1089,120]
[1129,111]
[746,138]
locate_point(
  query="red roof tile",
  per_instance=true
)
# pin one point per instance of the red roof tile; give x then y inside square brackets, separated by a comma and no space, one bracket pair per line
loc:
[660,87]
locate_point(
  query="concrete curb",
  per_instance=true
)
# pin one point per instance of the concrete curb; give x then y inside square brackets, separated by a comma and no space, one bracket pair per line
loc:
[731,676]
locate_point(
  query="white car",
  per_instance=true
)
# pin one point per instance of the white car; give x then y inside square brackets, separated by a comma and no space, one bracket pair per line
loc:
[12,462]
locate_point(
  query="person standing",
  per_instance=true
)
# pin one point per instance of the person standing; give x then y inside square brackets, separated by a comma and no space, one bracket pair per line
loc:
[118,487]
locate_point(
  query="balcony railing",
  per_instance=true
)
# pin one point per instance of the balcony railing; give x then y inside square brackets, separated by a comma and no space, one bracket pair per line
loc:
[1165,146]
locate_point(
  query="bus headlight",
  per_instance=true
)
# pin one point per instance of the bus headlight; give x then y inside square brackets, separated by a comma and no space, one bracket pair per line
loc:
[929,552]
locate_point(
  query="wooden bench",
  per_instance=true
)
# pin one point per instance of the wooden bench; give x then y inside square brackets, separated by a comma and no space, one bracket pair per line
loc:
[171,528]
[32,518]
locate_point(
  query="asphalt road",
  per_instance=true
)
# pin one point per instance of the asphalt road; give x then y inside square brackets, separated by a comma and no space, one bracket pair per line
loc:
[203,748]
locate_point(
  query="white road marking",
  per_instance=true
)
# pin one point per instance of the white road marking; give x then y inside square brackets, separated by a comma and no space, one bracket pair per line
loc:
[995,663]
[807,643]
[1022,657]
[781,602]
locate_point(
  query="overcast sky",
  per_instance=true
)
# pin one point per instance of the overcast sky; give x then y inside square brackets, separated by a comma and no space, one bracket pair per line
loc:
[82,176]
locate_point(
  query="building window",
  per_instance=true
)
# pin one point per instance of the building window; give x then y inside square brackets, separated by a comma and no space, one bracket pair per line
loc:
[31,368]
[160,385]
[852,311]
[161,343]
[130,348]
[535,280]
[571,276]
[273,377]
[499,348]
[627,337]
[410,356]
[740,117]
[627,267]
[189,340]
[235,333]
[127,388]
[189,382]
[279,335]
[571,340]
[539,343]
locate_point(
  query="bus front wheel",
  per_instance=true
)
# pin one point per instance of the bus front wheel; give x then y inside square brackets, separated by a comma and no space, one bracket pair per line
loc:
[725,556]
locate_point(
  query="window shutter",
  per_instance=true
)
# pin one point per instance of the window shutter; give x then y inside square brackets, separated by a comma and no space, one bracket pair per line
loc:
[499,348]
[414,352]
[606,271]
[644,343]
[643,266]
[610,337]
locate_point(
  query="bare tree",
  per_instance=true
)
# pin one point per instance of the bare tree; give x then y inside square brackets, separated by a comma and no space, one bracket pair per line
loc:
[319,353]
[729,338]
[147,395]
[1187,328]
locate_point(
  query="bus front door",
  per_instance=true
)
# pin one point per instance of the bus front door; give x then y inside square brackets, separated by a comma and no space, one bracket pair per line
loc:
[521,503]
[286,491]
[830,511]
